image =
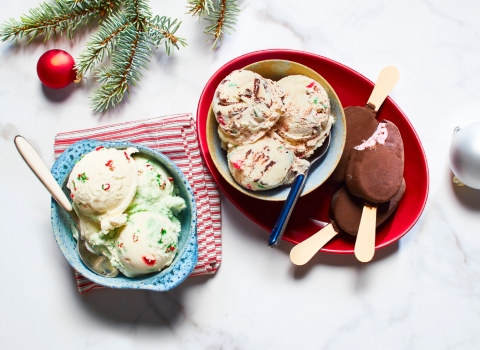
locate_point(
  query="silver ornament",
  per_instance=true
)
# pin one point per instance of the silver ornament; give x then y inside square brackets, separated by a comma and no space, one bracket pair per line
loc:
[465,155]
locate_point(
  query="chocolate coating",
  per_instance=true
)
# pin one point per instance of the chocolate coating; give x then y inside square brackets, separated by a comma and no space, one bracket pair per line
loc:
[346,209]
[375,173]
[361,124]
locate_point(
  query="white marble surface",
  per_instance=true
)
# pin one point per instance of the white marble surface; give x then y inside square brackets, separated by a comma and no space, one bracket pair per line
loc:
[423,293]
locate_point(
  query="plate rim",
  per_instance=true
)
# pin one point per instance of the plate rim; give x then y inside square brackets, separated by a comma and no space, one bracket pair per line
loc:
[316,57]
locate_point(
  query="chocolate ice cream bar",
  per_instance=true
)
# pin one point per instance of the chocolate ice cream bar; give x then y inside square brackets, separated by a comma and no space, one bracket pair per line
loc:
[346,209]
[374,169]
[374,172]
[361,124]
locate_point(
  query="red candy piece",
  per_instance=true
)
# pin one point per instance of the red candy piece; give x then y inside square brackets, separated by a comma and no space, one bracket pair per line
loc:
[148,261]
[238,164]
[109,164]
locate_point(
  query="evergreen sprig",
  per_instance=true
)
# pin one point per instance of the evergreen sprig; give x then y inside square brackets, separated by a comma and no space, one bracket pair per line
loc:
[200,7]
[162,30]
[124,72]
[101,43]
[59,16]
[221,14]
[126,33]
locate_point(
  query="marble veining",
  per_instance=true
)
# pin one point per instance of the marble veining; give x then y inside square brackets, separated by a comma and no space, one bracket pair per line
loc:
[422,292]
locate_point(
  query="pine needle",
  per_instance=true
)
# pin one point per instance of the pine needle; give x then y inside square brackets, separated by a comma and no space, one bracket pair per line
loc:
[101,43]
[49,18]
[223,18]
[222,15]
[200,7]
[132,54]
[162,30]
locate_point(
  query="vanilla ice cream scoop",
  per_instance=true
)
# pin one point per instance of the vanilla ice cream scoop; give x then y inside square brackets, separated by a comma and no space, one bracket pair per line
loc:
[246,106]
[102,185]
[306,120]
[147,243]
[264,164]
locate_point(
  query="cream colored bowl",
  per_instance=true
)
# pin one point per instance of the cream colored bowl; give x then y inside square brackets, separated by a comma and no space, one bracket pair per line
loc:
[322,169]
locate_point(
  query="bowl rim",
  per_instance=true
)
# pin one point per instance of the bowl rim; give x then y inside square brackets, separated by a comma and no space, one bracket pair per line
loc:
[185,259]
[278,194]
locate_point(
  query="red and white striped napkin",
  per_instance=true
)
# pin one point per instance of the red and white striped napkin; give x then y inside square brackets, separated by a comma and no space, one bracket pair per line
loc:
[175,136]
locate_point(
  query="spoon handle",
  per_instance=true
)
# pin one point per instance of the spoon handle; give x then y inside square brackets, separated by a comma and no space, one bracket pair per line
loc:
[287,209]
[33,160]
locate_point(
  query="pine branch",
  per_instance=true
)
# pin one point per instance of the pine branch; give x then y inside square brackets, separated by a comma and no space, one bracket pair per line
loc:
[162,30]
[132,54]
[101,43]
[137,12]
[126,65]
[200,7]
[223,17]
[60,16]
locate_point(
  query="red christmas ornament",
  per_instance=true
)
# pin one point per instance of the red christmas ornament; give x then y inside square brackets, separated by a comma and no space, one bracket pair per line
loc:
[55,68]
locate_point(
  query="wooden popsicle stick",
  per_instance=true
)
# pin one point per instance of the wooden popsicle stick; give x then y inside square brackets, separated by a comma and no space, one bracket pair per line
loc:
[387,79]
[365,242]
[304,251]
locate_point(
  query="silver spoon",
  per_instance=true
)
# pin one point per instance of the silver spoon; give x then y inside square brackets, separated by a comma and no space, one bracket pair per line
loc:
[97,263]
[293,195]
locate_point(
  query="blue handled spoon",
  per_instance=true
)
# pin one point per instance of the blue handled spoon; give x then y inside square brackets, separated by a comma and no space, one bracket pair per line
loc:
[295,192]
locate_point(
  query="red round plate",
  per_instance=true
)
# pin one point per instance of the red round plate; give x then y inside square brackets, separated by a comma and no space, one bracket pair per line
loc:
[311,211]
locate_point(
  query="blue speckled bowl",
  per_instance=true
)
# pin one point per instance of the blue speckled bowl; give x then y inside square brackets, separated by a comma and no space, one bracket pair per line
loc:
[187,255]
